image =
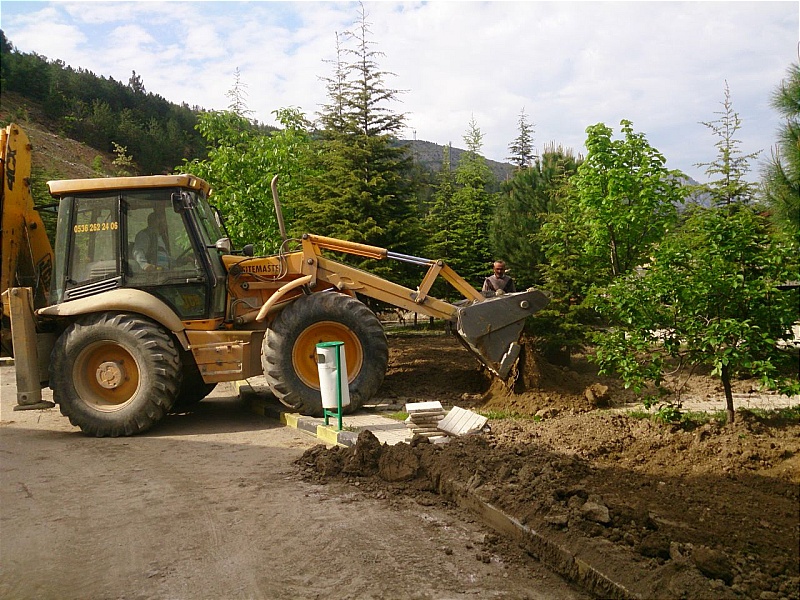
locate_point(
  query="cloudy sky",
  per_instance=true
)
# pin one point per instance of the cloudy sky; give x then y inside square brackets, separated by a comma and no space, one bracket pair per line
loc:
[567,65]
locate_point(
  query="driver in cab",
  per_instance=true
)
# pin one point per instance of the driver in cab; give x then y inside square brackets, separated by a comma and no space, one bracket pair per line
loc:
[150,249]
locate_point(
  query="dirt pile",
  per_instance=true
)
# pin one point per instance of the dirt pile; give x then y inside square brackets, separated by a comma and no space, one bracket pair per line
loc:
[669,511]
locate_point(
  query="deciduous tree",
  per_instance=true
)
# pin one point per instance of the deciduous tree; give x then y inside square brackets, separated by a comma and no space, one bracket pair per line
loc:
[621,201]
[709,296]
[242,160]
[627,199]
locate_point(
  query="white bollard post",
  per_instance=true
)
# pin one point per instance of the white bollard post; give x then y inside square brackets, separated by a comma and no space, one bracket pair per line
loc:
[333,387]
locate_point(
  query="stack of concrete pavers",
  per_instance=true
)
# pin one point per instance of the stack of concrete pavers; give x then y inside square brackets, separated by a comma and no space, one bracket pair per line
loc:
[423,418]
[460,421]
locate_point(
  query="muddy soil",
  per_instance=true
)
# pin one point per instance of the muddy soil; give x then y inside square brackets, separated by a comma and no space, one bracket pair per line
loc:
[209,506]
[668,511]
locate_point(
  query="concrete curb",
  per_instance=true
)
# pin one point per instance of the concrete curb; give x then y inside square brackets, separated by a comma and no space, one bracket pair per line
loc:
[327,434]
[559,559]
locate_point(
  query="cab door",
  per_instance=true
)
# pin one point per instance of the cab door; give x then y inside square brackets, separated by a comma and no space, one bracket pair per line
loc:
[160,253]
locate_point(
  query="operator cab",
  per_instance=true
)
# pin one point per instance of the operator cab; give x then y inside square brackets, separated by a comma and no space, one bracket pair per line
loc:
[157,234]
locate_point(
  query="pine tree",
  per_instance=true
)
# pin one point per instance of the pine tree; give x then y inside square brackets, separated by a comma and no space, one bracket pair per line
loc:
[781,177]
[522,152]
[440,222]
[367,94]
[238,96]
[473,205]
[364,192]
[731,165]
[332,117]
[135,83]
[440,218]
[523,205]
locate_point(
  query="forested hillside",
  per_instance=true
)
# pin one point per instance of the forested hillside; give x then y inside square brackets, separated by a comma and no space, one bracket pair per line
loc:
[101,111]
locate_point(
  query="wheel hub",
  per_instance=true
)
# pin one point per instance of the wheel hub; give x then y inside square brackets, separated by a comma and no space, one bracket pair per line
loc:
[110,374]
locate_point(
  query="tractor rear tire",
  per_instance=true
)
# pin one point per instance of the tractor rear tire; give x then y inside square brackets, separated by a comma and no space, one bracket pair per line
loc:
[115,374]
[289,350]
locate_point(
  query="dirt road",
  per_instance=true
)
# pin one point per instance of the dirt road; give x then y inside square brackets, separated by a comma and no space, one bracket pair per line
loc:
[209,505]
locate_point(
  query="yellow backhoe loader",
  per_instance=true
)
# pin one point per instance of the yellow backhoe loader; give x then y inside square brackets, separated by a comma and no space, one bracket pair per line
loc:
[143,306]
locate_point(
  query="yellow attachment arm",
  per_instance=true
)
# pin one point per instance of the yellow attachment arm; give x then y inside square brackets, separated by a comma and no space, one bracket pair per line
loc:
[27,256]
[344,246]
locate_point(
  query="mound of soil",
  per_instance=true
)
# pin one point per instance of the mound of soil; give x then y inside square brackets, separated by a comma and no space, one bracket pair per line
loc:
[673,511]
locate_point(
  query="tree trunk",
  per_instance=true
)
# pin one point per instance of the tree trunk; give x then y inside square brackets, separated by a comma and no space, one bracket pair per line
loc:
[614,257]
[726,385]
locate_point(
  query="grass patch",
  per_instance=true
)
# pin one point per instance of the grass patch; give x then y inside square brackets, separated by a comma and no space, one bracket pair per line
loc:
[672,415]
[691,419]
[397,416]
[638,413]
[790,414]
[778,417]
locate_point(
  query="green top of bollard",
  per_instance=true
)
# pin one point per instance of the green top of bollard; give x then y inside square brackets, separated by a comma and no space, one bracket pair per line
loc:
[329,344]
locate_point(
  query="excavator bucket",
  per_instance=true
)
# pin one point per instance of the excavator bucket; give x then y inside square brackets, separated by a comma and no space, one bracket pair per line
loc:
[491,329]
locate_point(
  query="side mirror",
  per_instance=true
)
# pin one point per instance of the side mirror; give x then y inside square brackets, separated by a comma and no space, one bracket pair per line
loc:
[248,250]
[223,245]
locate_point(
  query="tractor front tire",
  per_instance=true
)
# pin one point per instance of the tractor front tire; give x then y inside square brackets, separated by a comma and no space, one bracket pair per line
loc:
[289,350]
[115,374]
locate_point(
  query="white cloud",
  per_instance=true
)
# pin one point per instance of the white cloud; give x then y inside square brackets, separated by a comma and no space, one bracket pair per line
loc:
[662,65]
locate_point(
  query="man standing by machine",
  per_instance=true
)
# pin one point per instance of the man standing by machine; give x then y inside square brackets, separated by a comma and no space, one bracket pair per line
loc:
[498,283]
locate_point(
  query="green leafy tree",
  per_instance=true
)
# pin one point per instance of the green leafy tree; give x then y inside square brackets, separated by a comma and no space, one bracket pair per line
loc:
[100,124]
[781,177]
[123,162]
[242,160]
[728,185]
[627,199]
[709,296]
[621,201]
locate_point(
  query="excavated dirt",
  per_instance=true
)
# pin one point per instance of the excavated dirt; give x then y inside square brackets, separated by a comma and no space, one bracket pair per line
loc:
[667,511]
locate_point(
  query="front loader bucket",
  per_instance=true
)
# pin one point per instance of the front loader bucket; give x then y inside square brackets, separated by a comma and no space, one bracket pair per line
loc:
[491,328]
